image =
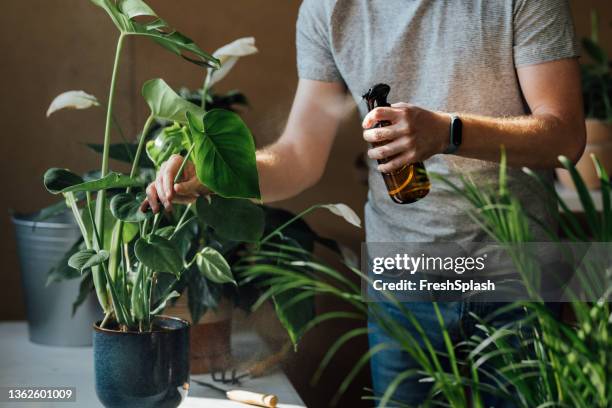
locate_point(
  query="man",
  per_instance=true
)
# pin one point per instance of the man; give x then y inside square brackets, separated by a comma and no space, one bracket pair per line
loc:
[506,68]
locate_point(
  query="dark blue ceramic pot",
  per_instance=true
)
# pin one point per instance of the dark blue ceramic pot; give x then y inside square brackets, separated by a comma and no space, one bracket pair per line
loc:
[143,370]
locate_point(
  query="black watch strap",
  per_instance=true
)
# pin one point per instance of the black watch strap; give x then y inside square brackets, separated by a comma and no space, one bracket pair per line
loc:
[456,135]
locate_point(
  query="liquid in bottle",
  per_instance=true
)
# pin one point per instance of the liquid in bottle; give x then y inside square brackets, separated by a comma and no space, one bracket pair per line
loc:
[410,183]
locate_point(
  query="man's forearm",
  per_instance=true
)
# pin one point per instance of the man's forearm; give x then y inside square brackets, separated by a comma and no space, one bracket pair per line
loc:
[533,141]
[281,173]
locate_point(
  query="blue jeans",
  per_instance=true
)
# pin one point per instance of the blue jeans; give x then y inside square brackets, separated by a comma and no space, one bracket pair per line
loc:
[389,362]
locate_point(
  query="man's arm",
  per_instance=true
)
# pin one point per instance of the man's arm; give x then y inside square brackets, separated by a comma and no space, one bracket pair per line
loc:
[297,160]
[555,126]
[286,168]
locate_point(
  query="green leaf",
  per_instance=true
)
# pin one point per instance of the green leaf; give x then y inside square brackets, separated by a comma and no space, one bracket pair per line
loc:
[231,218]
[171,140]
[86,287]
[225,154]
[62,271]
[135,8]
[294,317]
[202,295]
[87,258]
[126,207]
[159,255]
[59,181]
[158,31]
[213,266]
[167,104]
[162,305]
[129,230]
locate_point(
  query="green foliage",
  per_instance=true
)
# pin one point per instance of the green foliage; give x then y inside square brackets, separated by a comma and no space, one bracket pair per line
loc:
[213,266]
[170,140]
[168,105]
[535,361]
[87,258]
[224,154]
[232,219]
[123,13]
[124,251]
[61,181]
[126,207]
[159,254]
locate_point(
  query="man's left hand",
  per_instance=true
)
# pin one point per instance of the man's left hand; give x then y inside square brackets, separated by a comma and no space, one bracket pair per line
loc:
[414,135]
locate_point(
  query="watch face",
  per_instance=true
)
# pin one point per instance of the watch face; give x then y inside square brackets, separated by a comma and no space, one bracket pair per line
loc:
[456,131]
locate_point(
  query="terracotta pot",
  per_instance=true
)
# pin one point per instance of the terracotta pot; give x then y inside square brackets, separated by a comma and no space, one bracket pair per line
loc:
[210,342]
[599,143]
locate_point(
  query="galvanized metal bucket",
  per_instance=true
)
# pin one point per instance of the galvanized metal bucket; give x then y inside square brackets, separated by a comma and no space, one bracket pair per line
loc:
[40,246]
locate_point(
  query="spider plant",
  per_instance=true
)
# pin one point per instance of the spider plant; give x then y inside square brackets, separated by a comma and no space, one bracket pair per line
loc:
[536,361]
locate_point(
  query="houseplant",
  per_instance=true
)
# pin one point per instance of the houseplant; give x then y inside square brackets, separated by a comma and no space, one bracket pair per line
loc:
[597,93]
[137,259]
[536,361]
[141,358]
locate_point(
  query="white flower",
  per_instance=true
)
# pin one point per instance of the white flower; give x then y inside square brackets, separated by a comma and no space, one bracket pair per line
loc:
[228,55]
[72,100]
[345,212]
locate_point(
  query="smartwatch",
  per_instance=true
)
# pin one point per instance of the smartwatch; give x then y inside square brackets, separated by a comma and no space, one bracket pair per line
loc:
[456,135]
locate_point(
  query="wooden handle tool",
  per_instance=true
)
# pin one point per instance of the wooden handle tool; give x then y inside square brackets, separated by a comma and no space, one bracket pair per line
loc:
[253,398]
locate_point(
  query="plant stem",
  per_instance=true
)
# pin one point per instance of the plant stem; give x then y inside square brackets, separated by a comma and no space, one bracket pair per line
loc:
[291,221]
[206,87]
[101,199]
[143,135]
[156,221]
[181,220]
[79,219]
[107,316]
[98,277]
[178,176]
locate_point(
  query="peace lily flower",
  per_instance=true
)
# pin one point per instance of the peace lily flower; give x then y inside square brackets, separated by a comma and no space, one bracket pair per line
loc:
[228,55]
[72,100]
[346,212]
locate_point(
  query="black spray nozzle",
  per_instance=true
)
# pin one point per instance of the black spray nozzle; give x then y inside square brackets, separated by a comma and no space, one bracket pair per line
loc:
[377,96]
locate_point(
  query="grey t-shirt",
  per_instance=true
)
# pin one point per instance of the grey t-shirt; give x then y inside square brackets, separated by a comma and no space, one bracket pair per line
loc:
[451,56]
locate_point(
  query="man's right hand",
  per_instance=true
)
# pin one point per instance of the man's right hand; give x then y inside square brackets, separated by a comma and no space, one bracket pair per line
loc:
[163,190]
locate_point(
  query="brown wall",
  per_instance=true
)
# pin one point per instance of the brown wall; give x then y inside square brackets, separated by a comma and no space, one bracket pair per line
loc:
[50,46]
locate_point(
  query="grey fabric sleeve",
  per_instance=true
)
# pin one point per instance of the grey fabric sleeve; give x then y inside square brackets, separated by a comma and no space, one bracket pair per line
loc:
[314,57]
[543,31]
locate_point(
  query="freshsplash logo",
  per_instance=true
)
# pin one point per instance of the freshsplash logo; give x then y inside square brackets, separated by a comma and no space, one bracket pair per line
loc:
[423,263]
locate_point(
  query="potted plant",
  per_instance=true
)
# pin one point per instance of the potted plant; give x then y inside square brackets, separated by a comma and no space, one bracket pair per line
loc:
[138,260]
[597,93]
[141,357]
[537,360]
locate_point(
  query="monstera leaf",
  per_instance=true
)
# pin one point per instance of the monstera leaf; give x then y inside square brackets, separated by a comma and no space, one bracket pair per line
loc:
[123,14]
[167,104]
[59,181]
[171,140]
[224,154]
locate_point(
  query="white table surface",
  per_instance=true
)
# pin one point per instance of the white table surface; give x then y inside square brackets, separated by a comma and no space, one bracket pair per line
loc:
[26,364]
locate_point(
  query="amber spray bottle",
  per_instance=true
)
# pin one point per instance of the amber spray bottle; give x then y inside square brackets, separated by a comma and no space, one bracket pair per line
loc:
[410,183]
